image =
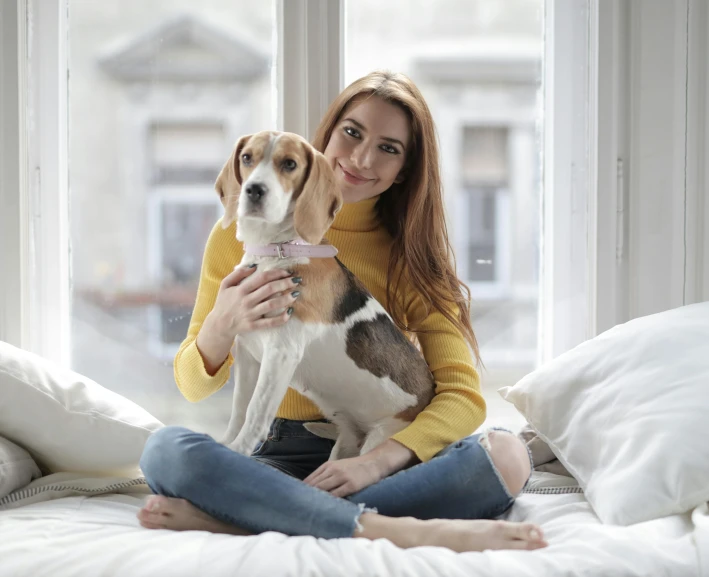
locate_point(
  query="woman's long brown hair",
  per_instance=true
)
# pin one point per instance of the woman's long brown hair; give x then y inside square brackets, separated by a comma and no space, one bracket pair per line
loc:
[412,211]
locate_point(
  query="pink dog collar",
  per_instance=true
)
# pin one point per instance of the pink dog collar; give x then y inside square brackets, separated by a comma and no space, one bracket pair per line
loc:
[290,249]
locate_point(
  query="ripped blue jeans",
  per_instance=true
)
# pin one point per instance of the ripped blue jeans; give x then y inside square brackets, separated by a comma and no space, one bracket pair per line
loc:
[265,492]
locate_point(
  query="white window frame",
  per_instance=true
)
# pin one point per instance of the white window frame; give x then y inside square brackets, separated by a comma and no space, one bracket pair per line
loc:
[37,308]
[567,195]
[310,67]
[14,216]
[586,278]
[641,102]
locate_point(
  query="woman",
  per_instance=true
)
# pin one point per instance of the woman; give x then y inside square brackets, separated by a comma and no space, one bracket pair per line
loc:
[380,139]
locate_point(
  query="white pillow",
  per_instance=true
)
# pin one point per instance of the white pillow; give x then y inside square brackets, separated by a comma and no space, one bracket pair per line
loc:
[17,467]
[627,413]
[66,421]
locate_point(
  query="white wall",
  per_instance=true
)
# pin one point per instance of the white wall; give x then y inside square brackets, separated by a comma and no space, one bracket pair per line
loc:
[652,244]
[668,201]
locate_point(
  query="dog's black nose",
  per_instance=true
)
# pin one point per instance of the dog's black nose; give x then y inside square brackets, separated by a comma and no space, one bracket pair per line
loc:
[255,190]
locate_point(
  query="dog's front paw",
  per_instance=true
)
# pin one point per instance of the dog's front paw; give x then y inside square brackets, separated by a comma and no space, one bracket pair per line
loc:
[243,446]
[324,430]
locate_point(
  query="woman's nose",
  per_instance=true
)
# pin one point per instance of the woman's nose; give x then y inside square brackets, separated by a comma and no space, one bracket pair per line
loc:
[361,157]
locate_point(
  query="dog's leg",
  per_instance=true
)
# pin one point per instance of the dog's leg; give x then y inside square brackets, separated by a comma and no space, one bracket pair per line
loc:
[246,370]
[277,368]
[381,431]
[347,444]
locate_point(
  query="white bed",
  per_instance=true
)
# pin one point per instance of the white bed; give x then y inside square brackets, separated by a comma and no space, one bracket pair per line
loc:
[598,410]
[89,536]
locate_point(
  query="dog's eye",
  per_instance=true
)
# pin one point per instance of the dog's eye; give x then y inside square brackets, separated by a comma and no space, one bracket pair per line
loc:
[289,164]
[246,158]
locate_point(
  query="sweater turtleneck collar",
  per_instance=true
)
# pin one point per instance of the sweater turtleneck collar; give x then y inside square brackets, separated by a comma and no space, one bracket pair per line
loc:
[358,216]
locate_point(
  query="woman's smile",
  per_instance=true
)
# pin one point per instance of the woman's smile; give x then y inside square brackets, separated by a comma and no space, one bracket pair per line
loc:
[352,176]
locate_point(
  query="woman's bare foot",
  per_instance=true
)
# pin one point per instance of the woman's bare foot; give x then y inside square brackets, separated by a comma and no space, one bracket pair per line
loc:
[179,515]
[458,535]
[481,535]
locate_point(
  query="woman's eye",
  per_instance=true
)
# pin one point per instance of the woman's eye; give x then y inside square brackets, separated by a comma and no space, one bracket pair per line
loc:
[389,149]
[352,132]
[246,158]
[289,164]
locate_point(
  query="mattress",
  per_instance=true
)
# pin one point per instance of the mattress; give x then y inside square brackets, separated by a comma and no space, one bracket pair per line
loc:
[66,526]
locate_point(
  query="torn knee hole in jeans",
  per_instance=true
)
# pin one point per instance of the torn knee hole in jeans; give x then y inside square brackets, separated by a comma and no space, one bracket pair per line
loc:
[362,510]
[485,437]
[485,441]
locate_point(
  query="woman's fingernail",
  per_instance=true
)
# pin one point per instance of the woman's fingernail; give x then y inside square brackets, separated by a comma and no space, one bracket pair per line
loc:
[252,265]
[290,311]
[534,534]
[297,280]
[295,294]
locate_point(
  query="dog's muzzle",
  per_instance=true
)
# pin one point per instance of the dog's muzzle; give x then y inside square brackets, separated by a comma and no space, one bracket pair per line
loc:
[255,191]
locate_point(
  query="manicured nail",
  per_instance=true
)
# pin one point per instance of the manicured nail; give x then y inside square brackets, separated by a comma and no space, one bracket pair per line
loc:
[534,534]
[252,265]
[295,294]
[297,280]
[290,311]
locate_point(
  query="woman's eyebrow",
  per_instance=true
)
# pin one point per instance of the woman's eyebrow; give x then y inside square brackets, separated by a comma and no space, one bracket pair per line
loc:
[387,138]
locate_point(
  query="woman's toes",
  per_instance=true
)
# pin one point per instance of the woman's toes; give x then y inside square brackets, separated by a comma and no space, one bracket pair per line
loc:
[531,534]
[154,512]
[158,504]
[149,518]
[149,525]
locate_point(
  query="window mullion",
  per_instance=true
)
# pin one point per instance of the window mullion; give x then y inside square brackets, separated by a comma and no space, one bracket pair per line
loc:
[310,67]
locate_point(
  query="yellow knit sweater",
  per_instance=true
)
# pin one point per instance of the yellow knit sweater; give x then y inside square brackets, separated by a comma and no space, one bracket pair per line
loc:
[456,410]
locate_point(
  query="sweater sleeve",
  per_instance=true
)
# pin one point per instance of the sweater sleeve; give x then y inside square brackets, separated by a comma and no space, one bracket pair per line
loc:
[458,407]
[222,253]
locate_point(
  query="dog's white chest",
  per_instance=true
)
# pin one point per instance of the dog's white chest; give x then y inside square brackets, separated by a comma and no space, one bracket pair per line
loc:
[326,373]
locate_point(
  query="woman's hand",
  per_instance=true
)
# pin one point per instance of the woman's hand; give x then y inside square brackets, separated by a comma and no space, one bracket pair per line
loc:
[247,298]
[348,476]
[246,301]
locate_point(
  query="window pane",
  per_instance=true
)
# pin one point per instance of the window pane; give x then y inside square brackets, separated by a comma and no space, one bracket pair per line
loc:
[478,64]
[158,93]
[186,153]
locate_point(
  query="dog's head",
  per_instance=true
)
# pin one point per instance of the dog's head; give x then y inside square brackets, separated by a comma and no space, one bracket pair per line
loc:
[278,178]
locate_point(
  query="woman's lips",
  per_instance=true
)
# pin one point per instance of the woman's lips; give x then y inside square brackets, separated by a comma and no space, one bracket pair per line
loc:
[353,178]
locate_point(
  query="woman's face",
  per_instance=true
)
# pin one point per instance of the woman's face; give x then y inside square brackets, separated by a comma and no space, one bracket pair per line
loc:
[368,148]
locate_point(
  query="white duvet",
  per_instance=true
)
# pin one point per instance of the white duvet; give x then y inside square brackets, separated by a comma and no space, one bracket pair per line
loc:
[43,533]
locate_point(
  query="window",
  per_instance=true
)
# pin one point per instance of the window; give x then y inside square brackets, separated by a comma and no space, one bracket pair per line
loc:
[479,67]
[149,78]
[157,98]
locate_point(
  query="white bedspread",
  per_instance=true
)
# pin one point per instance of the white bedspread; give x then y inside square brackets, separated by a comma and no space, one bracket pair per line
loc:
[89,536]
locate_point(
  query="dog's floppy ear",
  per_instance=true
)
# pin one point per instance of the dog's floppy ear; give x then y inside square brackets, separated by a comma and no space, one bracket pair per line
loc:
[319,201]
[228,185]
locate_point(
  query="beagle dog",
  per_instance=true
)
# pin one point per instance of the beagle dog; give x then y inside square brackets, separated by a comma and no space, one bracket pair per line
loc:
[340,348]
